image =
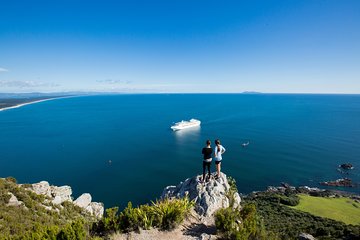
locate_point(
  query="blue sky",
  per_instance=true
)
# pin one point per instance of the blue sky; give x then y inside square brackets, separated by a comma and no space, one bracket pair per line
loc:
[292,46]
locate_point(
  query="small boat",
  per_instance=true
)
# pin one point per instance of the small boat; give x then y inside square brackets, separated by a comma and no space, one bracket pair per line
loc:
[245,144]
[185,124]
[346,166]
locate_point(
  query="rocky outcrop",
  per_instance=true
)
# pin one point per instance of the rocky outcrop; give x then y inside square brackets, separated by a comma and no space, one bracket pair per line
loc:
[96,209]
[306,236]
[58,194]
[83,201]
[61,194]
[42,188]
[209,196]
[343,182]
[13,201]
[346,166]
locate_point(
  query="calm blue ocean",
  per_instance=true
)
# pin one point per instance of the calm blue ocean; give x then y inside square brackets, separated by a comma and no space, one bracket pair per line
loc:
[299,139]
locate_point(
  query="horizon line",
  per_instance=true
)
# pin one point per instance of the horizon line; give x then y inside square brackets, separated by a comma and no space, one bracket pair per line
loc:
[244,92]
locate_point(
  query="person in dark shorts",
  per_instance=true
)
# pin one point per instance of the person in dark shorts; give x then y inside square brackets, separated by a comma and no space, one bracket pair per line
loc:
[207,151]
[218,151]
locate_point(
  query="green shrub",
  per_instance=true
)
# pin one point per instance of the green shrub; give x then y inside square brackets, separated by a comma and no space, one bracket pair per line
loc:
[232,183]
[232,191]
[11,179]
[146,216]
[164,214]
[73,231]
[291,200]
[67,234]
[4,197]
[129,219]
[36,222]
[241,224]
[171,212]
[110,220]
[227,221]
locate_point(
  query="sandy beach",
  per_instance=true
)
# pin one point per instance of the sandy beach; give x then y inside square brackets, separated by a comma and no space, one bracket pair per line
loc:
[27,102]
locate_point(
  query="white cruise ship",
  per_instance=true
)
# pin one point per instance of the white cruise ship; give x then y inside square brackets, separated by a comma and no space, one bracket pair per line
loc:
[185,124]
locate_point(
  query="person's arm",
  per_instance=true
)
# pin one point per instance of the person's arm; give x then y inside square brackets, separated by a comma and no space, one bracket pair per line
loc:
[202,151]
[215,152]
[223,150]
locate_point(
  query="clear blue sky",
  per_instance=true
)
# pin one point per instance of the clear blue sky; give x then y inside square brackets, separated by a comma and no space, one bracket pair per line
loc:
[294,46]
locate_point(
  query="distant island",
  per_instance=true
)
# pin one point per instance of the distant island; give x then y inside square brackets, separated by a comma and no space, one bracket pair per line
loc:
[251,92]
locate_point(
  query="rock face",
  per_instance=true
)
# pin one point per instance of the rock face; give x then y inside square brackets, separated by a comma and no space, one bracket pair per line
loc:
[343,182]
[83,201]
[94,208]
[208,197]
[42,188]
[305,236]
[13,201]
[61,194]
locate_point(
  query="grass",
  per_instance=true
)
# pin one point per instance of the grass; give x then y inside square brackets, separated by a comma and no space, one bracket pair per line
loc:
[341,209]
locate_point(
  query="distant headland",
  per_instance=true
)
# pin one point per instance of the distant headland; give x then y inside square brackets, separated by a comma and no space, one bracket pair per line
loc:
[251,92]
[16,100]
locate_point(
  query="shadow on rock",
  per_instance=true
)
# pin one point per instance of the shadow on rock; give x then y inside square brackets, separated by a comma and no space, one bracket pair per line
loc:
[196,230]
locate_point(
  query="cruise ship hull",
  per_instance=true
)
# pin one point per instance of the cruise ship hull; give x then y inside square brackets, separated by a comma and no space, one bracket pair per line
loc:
[185,125]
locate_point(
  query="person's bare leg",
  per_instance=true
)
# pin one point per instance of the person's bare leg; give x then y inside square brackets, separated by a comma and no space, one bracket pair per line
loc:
[218,168]
[204,168]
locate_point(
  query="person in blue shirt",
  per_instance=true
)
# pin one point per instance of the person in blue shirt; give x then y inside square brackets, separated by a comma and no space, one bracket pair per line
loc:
[218,152]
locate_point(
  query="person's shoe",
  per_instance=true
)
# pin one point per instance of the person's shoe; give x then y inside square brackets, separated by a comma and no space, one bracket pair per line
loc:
[208,178]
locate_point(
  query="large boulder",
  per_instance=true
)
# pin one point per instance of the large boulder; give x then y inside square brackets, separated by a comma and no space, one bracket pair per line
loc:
[42,188]
[97,209]
[58,195]
[209,196]
[94,208]
[13,201]
[83,201]
[62,193]
[306,236]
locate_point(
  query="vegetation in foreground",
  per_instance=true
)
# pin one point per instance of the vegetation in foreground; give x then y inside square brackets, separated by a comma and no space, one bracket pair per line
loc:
[341,209]
[241,224]
[264,215]
[165,215]
[288,223]
[38,218]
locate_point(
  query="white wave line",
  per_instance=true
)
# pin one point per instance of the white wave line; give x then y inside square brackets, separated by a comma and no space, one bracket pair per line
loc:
[27,103]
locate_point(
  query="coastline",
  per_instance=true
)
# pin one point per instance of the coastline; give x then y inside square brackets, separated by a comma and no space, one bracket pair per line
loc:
[31,102]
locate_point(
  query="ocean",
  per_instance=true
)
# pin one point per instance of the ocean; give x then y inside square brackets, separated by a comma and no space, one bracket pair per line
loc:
[120,148]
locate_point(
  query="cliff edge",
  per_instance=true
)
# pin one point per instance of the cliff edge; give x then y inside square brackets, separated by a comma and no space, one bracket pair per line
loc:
[208,196]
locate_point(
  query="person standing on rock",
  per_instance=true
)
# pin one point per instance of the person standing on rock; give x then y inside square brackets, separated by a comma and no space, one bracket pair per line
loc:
[207,151]
[218,151]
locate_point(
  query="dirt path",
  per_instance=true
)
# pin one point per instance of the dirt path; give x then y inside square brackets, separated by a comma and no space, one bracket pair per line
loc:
[192,228]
